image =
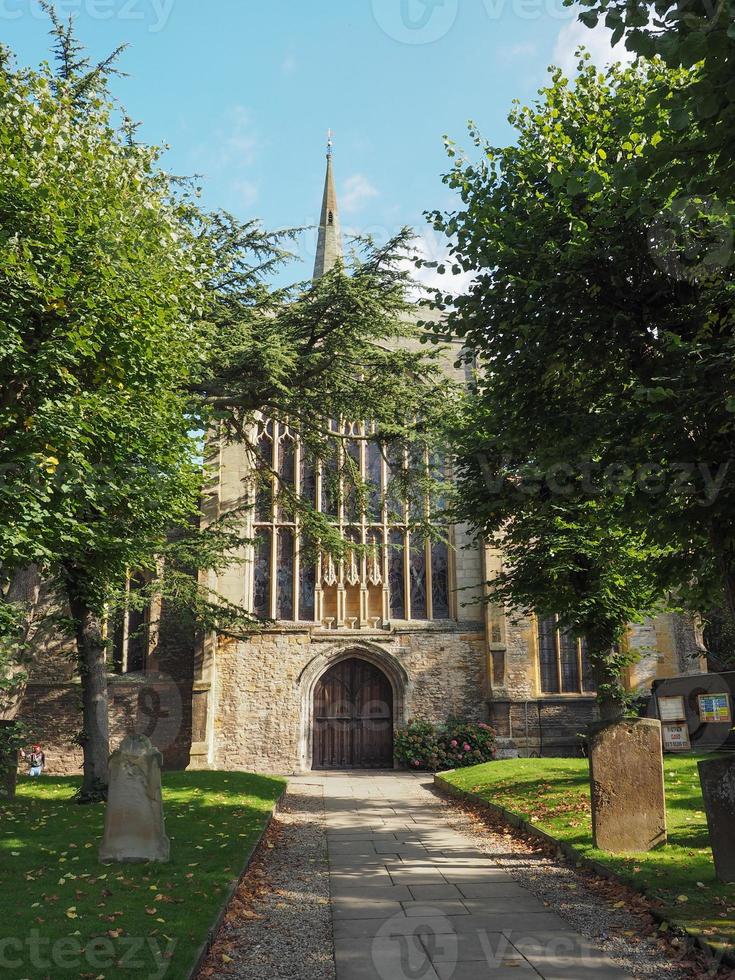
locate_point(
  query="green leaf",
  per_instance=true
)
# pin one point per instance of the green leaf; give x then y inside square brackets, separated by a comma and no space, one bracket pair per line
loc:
[679,119]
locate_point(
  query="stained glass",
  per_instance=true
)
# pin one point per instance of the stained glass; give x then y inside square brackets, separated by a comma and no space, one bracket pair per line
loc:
[588,677]
[307,490]
[264,495]
[286,473]
[569,656]
[330,487]
[307,585]
[395,484]
[373,476]
[284,577]
[417,572]
[262,574]
[352,476]
[440,579]
[547,655]
[417,501]
[395,576]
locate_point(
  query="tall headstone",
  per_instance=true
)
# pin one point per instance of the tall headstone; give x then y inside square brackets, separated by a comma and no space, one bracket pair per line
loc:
[717,777]
[134,827]
[627,785]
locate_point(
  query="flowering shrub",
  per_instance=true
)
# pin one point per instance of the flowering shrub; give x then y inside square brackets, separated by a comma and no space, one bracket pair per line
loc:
[423,746]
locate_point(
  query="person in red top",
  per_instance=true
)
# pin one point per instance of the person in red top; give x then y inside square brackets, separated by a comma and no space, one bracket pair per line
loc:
[36,760]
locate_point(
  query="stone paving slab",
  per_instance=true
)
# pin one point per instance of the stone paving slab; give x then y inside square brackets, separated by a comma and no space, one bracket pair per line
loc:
[382,960]
[412,900]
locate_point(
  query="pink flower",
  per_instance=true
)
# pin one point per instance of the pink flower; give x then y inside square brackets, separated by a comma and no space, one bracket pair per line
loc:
[454,743]
[466,747]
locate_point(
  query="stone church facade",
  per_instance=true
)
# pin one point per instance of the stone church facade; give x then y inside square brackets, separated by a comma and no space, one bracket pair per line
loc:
[396,631]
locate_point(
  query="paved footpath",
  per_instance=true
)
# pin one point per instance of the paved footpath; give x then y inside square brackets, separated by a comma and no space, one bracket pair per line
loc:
[411,900]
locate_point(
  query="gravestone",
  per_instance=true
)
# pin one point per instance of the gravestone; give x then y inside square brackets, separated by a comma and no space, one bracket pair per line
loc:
[627,785]
[134,827]
[717,777]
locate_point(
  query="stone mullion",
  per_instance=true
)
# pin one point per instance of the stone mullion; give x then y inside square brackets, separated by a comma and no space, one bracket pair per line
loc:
[452,575]
[429,573]
[273,598]
[580,675]
[318,590]
[558,657]
[364,595]
[297,535]
[341,591]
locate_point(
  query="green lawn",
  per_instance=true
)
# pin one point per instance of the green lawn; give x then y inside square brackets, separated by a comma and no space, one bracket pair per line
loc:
[64,914]
[554,795]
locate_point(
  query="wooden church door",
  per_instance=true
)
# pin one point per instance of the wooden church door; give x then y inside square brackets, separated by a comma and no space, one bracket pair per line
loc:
[353,718]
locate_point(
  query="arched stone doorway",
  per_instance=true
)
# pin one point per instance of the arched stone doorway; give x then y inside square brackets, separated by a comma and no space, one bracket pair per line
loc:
[352,717]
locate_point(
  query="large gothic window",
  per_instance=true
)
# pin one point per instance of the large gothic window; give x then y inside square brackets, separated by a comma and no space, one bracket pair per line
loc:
[394,571]
[563,661]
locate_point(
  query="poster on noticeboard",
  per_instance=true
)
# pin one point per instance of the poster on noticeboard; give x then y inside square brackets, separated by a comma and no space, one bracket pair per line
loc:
[676,738]
[671,709]
[715,709]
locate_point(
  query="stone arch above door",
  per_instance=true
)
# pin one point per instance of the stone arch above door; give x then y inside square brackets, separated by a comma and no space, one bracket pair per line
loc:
[386,662]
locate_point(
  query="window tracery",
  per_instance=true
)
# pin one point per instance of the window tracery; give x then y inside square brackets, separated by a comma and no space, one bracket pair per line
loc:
[393,572]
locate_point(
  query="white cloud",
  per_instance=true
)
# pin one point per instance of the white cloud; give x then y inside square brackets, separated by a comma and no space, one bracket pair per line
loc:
[356,192]
[597,42]
[527,49]
[228,156]
[289,65]
[232,142]
[434,248]
[246,191]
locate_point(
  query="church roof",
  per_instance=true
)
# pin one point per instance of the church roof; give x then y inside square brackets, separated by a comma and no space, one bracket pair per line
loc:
[329,243]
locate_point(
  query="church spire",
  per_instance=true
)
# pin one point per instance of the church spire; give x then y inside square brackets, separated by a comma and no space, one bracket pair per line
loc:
[329,244]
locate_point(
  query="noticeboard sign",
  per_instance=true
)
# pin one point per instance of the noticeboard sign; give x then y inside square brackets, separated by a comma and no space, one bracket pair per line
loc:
[671,709]
[715,709]
[676,738]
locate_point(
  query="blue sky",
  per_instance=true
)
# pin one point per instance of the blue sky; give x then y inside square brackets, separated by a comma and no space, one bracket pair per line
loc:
[243,91]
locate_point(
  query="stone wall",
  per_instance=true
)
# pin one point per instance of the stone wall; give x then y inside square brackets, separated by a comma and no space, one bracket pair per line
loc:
[144,704]
[262,692]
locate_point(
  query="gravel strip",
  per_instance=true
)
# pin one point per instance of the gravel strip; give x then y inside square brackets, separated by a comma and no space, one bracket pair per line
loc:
[628,935]
[280,923]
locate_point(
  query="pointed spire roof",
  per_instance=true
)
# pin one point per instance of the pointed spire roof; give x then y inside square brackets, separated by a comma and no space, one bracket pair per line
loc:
[329,243]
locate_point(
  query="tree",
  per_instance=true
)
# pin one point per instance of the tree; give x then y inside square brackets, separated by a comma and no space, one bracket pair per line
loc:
[103,273]
[698,35]
[605,336]
[345,347]
[565,553]
[130,322]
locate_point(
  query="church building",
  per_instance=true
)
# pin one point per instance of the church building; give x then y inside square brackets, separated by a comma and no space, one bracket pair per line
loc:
[354,648]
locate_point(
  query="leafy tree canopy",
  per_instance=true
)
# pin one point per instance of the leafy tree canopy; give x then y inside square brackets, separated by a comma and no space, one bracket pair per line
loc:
[693,34]
[603,407]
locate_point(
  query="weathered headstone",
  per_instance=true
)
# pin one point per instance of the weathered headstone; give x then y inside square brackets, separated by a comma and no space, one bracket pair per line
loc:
[627,785]
[134,827]
[717,777]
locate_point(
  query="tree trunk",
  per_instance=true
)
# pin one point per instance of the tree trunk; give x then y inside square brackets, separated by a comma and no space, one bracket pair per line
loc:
[726,565]
[23,590]
[8,764]
[606,668]
[92,653]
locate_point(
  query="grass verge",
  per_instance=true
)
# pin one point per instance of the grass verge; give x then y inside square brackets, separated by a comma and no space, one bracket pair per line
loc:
[64,914]
[553,795]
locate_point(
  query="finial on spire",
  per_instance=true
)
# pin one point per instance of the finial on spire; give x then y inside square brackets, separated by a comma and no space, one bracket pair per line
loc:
[329,243]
